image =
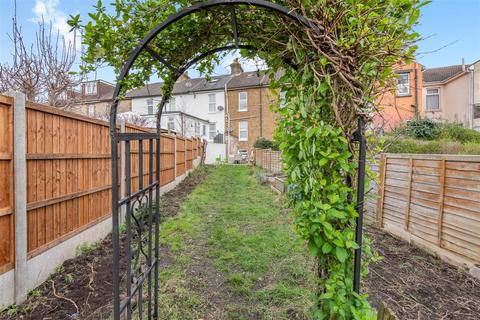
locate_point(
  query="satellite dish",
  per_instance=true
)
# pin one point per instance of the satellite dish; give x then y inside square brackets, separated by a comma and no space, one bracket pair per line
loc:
[220,108]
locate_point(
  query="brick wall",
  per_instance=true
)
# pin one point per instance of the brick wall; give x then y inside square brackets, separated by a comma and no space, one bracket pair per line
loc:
[396,109]
[261,120]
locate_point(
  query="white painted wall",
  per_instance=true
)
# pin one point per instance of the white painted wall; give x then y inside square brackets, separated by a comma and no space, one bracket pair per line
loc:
[215,151]
[190,125]
[195,104]
[454,101]
[140,107]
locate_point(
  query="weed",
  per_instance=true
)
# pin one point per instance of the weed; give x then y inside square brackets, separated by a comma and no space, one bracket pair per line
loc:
[85,247]
[13,310]
[60,269]
[69,279]
[35,293]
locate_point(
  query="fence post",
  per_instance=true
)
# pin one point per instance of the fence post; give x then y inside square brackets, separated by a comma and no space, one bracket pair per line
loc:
[442,202]
[381,190]
[122,173]
[270,162]
[409,195]
[20,196]
[174,156]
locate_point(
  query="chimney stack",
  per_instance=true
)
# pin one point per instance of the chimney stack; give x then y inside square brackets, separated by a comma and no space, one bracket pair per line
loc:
[463,64]
[184,76]
[236,67]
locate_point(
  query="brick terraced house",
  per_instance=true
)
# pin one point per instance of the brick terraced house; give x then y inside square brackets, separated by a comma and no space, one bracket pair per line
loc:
[248,114]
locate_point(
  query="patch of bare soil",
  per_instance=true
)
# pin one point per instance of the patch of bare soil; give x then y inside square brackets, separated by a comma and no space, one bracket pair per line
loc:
[416,285]
[171,201]
[82,287]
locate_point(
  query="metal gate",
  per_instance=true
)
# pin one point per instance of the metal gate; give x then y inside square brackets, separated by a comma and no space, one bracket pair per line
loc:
[136,250]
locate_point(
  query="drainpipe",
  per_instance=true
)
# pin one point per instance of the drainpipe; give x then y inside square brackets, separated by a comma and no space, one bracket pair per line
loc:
[416,91]
[227,113]
[471,94]
[261,112]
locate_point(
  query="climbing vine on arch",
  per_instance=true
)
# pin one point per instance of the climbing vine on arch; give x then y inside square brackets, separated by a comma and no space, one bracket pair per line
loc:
[331,73]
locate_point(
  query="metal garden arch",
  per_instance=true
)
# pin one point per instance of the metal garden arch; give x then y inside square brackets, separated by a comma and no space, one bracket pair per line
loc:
[142,231]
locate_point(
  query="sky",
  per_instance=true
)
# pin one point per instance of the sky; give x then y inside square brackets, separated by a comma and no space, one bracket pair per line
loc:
[450,30]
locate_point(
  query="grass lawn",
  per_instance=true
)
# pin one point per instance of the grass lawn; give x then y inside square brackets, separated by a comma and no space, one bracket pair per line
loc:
[233,253]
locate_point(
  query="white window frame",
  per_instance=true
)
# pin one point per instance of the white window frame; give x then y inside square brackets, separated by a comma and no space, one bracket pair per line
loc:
[243,130]
[400,92]
[91,110]
[432,94]
[197,128]
[150,106]
[243,103]
[172,104]
[210,131]
[212,103]
[171,123]
[90,88]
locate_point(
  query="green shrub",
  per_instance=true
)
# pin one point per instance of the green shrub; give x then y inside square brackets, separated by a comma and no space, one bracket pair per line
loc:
[263,143]
[456,132]
[443,146]
[433,137]
[423,129]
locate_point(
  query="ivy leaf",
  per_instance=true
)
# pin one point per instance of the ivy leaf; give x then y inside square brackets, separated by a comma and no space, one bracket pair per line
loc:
[312,247]
[311,131]
[351,244]
[338,242]
[327,247]
[322,162]
[327,295]
[334,198]
[341,254]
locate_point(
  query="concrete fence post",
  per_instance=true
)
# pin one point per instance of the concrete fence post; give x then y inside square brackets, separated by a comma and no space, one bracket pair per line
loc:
[20,196]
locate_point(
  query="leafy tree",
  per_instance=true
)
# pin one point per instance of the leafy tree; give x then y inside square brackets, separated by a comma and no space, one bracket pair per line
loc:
[43,70]
[262,143]
[334,72]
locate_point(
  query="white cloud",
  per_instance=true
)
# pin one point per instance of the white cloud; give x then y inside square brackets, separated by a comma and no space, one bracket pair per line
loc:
[47,11]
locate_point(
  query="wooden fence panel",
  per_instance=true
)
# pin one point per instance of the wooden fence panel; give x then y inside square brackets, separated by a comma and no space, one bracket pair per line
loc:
[135,158]
[68,175]
[6,185]
[68,170]
[435,198]
[181,156]
[189,147]
[167,159]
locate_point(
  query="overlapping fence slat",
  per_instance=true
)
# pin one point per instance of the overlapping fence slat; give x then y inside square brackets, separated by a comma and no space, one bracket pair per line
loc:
[435,198]
[189,154]
[181,159]
[167,159]
[6,185]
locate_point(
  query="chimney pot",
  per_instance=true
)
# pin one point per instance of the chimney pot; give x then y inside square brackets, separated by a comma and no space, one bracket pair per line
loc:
[236,67]
[184,76]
